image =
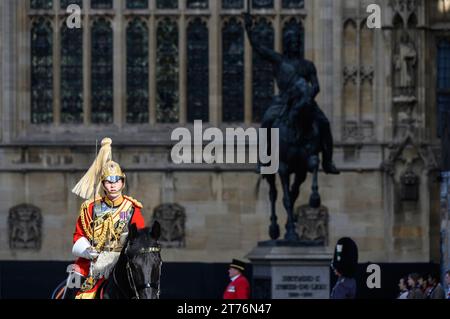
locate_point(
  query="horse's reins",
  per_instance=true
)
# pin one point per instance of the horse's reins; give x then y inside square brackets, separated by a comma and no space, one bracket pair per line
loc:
[148,285]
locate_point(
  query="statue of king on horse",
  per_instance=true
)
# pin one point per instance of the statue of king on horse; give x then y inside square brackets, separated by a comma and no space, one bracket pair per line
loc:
[304,130]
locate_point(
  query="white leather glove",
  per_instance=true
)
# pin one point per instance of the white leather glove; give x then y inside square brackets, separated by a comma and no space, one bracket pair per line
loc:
[91,253]
[82,248]
[123,238]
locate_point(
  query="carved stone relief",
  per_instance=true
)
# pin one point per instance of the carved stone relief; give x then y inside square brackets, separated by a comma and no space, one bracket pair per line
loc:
[172,218]
[25,227]
[312,225]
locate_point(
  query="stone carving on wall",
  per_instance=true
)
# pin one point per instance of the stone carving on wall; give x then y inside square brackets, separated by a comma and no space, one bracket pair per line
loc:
[358,132]
[25,227]
[407,153]
[350,74]
[405,65]
[405,55]
[367,74]
[404,8]
[405,62]
[409,182]
[312,225]
[172,218]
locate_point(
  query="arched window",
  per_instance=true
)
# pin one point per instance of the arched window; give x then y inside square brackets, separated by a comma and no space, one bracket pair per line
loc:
[443,81]
[102,72]
[152,62]
[262,4]
[167,4]
[232,4]
[71,75]
[41,72]
[167,67]
[295,27]
[41,4]
[198,71]
[101,4]
[263,82]
[137,72]
[137,4]
[293,4]
[197,4]
[65,3]
[233,71]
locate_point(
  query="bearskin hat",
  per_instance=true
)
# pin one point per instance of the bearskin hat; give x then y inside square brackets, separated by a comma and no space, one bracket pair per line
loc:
[345,258]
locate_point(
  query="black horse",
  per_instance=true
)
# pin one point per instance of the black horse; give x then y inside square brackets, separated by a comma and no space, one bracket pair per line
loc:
[137,272]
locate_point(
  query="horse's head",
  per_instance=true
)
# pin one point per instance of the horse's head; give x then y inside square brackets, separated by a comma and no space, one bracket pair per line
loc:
[144,261]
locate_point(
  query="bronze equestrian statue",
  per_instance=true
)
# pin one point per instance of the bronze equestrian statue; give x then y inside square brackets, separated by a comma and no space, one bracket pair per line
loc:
[304,129]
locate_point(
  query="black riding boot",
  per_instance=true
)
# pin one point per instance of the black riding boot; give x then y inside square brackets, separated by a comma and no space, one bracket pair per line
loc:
[71,293]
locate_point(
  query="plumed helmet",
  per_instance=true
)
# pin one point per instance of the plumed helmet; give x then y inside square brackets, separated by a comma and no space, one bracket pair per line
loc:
[345,258]
[112,172]
[103,168]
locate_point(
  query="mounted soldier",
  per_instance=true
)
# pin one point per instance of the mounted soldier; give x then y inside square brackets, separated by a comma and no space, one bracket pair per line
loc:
[102,226]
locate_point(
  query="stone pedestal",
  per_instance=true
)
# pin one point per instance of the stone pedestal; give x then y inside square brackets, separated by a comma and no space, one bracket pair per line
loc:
[290,272]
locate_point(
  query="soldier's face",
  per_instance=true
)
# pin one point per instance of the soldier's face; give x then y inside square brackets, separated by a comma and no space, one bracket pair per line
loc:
[113,188]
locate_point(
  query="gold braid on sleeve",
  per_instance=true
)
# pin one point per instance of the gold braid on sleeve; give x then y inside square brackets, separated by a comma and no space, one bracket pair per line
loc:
[83,215]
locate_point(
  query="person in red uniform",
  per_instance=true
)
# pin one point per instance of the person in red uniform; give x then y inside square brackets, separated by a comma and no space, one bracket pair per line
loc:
[239,287]
[112,214]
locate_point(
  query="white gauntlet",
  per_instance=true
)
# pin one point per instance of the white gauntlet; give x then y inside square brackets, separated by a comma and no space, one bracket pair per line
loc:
[82,248]
[123,238]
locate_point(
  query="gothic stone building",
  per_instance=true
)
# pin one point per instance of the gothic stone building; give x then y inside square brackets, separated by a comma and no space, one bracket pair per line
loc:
[135,70]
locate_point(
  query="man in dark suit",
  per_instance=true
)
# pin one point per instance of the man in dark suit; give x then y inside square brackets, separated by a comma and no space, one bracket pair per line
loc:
[239,287]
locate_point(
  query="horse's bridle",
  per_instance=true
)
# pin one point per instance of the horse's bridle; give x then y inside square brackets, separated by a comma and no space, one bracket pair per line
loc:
[147,285]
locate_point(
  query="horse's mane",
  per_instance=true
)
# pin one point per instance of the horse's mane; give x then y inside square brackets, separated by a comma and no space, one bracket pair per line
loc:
[143,236]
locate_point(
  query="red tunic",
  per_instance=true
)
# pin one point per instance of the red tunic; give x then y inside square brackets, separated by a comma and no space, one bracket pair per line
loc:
[238,289]
[84,264]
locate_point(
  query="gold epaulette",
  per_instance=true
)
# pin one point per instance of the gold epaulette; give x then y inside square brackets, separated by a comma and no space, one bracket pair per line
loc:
[134,201]
[90,201]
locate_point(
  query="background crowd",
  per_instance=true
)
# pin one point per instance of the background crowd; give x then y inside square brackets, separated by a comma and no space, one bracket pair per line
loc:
[428,286]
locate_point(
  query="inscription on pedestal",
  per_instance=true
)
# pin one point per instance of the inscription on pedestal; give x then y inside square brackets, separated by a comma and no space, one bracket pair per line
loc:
[302,282]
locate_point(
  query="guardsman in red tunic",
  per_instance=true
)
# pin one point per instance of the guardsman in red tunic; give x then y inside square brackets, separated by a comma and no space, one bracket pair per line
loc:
[238,288]
[98,244]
